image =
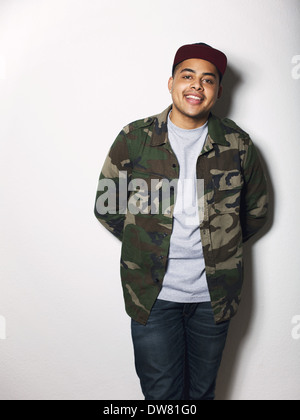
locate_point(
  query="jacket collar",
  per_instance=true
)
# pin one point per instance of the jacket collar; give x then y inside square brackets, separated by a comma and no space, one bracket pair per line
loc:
[216,130]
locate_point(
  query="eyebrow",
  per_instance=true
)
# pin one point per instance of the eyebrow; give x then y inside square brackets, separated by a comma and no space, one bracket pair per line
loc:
[203,74]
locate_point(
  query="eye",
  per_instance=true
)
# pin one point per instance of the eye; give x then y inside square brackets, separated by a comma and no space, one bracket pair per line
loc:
[209,81]
[187,77]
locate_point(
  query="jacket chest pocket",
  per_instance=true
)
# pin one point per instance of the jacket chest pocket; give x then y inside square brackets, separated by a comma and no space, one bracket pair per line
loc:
[227,191]
[150,193]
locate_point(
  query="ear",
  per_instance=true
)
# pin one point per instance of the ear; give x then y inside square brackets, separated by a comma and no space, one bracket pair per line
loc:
[170,84]
[220,91]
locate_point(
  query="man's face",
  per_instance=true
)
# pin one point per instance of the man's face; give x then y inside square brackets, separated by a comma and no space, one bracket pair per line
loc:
[195,89]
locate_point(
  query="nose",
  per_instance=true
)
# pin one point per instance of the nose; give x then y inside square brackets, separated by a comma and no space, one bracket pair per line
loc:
[197,85]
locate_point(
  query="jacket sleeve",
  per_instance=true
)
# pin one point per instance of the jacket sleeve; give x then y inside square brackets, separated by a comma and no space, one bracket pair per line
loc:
[254,202]
[112,194]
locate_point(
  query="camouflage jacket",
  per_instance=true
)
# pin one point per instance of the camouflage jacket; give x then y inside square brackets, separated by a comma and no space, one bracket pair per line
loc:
[234,208]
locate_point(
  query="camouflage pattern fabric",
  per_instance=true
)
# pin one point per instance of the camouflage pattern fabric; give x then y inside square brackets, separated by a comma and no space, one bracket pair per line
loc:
[233,208]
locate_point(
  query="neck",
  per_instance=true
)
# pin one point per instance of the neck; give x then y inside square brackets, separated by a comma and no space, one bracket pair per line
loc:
[186,122]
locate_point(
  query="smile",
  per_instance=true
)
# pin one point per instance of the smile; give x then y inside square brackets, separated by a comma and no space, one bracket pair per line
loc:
[192,99]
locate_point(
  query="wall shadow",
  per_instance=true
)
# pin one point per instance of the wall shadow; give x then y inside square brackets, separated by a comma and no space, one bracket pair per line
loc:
[241,323]
[231,81]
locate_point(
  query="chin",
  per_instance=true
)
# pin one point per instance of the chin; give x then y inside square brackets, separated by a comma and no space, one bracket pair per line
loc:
[195,115]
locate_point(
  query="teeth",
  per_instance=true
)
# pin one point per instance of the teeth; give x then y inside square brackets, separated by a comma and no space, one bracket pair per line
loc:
[194,97]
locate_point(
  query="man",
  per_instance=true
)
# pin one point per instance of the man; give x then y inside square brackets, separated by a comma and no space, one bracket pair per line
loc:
[183,190]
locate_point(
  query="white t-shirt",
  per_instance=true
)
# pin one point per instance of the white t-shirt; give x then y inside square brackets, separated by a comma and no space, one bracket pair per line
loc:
[185,278]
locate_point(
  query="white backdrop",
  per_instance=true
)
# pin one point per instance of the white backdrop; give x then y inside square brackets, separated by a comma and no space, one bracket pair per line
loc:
[72,74]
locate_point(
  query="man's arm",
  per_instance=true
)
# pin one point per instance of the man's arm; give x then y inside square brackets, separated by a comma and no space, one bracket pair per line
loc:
[110,207]
[254,204]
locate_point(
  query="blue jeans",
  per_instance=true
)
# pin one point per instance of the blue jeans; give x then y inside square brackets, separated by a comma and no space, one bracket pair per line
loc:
[179,351]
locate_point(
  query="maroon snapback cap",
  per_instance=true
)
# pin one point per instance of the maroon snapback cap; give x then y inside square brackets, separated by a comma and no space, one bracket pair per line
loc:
[204,52]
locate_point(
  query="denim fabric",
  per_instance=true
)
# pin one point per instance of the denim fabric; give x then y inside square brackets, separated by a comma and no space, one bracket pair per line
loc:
[179,351]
